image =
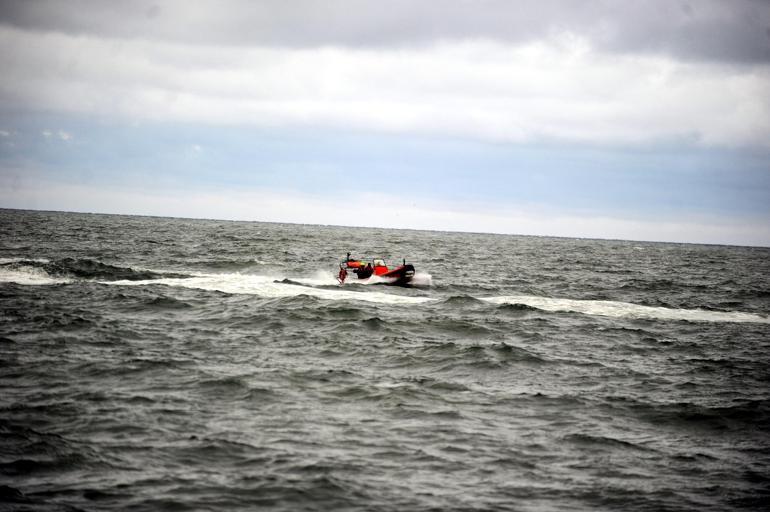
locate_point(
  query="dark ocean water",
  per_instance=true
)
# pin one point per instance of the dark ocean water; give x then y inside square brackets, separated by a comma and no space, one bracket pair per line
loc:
[171,364]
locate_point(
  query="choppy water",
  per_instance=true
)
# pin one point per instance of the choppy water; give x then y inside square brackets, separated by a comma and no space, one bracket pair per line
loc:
[170,364]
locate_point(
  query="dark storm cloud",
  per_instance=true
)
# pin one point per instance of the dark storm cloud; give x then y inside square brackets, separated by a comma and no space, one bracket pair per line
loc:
[734,30]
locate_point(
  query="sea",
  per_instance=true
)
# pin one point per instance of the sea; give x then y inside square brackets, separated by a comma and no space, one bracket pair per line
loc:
[167,364]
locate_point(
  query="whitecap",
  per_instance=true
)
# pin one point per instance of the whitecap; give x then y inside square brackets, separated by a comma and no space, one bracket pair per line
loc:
[270,287]
[627,310]
[26,274]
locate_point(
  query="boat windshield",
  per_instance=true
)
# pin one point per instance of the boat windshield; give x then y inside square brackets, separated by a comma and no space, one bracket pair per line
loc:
[379,263]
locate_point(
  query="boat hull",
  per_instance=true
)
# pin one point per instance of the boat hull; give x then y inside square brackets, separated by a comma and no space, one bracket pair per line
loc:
[399,276]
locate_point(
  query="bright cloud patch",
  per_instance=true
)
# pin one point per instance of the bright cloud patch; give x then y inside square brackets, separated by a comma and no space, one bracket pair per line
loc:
[555,89]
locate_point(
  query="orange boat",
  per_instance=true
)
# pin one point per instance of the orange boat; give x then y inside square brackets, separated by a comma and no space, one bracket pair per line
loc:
[399,276]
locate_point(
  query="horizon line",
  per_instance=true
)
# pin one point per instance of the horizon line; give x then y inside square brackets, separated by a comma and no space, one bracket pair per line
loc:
[558,237]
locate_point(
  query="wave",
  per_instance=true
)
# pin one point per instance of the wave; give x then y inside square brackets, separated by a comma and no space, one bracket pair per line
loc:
[163,302]
[604,442]
[270,287]
[720,417]
[231,265]
[23,273]
[5,261]
[92,269]
[626,309]
[461,300]
[43,452]
[323,285]
[65,270]
[515,308]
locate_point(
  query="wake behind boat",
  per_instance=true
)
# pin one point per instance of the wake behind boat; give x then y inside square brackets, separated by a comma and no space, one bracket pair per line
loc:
[399,276]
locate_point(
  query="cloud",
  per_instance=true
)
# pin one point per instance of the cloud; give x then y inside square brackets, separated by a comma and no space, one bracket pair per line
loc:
[60,134]
[735,30]
[558,89]
[630,102]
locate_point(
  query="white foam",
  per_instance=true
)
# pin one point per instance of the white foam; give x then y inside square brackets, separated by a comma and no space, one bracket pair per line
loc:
[419,279]
[31,276]
[373,279]
[5,261]
[627,310]
[265,286]
[422,279]
[271,287]
[320,278]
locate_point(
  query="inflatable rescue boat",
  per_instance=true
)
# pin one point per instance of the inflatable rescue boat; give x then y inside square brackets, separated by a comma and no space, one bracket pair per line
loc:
[399,276]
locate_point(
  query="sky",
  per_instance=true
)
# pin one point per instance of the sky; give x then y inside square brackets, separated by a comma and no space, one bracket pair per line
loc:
[637,120]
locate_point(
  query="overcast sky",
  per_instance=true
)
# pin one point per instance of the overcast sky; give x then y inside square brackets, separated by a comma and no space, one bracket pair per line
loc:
[643,120]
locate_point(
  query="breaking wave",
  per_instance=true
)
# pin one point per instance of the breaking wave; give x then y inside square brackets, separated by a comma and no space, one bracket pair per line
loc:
[43,271]
[626,309]
[323,285]
[28,272]
[270,287]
